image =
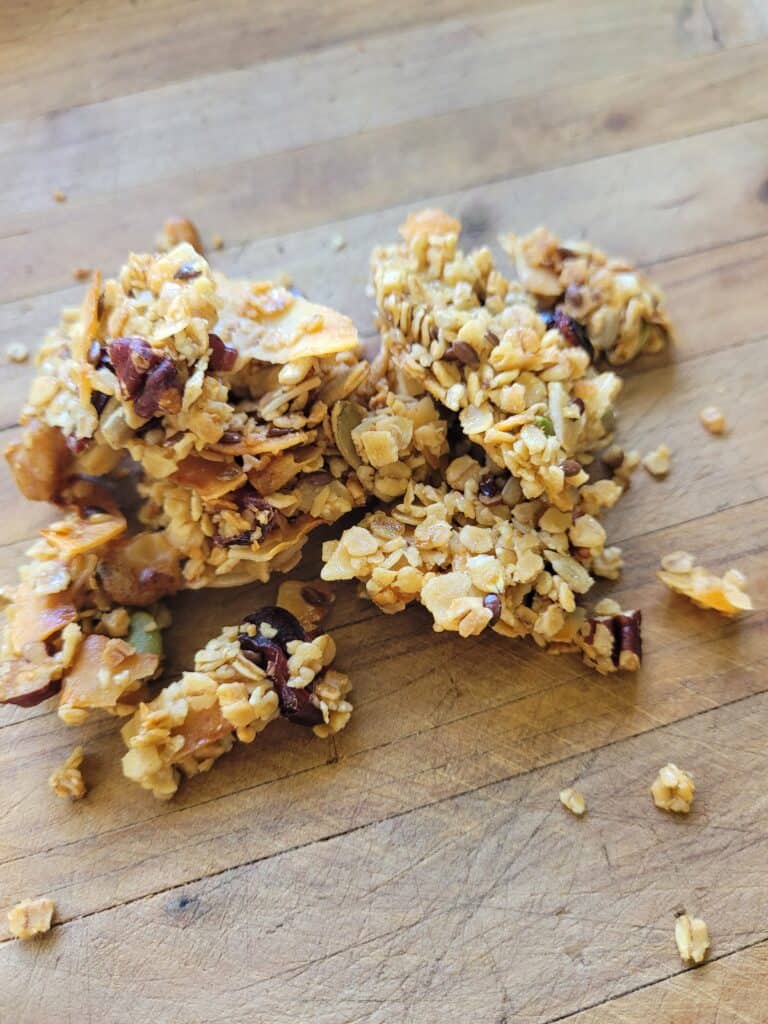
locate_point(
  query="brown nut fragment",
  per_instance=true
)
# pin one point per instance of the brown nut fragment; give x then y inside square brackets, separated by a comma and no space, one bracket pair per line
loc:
[180,229]
[140,570]
[40,461]
[223,357]
[149,379]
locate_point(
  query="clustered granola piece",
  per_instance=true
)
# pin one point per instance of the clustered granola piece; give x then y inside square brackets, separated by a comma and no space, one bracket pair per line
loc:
[247,676]
[507,534]
[621,311]
[673,789]
[222,392]
[692,938]
[85,618]
[30,918]
[657,462]
[725,594]
[67,780]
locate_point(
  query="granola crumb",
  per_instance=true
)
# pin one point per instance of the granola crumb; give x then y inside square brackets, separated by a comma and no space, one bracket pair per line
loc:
[673,790]
[177,230]
[657,461]
[17,352]
[712,419]
[338,242]
[59,196]
[574,800]
[82,274]
[725,594]
[217,242]
[692,938]
[30,918]
[67,780]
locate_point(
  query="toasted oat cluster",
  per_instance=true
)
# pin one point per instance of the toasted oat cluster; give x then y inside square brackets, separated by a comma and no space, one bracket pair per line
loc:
[725,594]
[85,619]
[30,918]
[242,680]
[673,789]
[506,532]
[67,780]
[220,390]
[621,310]
[692,938]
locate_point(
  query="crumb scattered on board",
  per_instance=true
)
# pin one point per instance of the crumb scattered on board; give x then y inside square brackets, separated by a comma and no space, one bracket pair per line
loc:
[177,230]
[712,419]
[217,242]
[59,196]
[338,242]
[725,594]
[573,800]
[673,789]
[692,938]
[67,780]
[30,918]
[81,273]
[657,461]
[17,352]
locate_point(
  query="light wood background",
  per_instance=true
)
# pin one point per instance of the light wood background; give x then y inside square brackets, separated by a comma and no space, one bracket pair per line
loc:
[420,868]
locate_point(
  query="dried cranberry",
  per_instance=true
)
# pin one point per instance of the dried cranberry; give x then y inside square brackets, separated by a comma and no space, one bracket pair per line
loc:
[187,272]
[223,357]
[296,705]
[99,401]
[461,352]
[488,486]
[148,378]
[493,603]
[573,332]
[287,627]
[267,654]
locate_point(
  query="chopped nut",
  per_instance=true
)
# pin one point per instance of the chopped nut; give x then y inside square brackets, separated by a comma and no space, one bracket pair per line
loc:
[713,419]
[67,781]
[17,352]
[657,462]
[692,938]
[177,230]
[724,594]
[673,789]
[573,800]
[81,273]
[30,918]
[59,196]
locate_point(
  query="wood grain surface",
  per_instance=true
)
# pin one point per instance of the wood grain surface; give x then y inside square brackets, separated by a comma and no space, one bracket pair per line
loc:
[419,867]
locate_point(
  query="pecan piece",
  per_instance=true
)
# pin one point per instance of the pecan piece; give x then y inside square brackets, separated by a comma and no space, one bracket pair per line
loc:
[223,357]
[146,377]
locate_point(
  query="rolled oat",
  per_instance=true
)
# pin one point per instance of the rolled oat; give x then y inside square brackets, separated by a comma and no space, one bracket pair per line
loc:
[691,938]
[30,918]
[67,780]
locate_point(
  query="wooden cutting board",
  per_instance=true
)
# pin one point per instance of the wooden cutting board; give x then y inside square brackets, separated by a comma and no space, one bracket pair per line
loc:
[420,867]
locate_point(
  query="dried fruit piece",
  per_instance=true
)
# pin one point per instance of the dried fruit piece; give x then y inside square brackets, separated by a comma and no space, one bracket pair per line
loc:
[30,918]
[223,357]
[692,938]
[673,789]
[574,332]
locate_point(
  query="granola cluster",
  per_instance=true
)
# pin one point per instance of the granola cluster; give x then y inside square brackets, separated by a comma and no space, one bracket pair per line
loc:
[501,527]
[84,621]
[242,680]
